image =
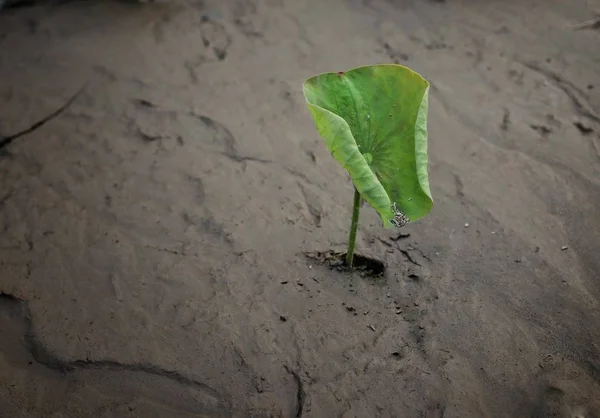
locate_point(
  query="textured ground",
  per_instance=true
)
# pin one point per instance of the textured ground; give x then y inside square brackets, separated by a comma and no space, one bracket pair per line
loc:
[152,234]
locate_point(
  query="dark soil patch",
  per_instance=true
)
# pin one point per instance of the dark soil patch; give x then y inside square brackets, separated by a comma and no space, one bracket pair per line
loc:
[367,266]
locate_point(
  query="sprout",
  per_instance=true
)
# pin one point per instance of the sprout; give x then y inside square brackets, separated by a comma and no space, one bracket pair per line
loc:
[374,122]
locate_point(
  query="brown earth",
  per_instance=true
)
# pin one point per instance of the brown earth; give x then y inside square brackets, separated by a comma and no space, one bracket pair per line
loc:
[151,253]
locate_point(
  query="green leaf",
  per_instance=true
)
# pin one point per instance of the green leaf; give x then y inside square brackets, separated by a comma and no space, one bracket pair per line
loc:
[374,121]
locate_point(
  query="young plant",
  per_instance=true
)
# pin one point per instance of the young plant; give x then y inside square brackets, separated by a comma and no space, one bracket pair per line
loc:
[374,121]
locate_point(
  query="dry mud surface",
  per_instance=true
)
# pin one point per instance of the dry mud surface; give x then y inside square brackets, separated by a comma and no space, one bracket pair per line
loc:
[152,234]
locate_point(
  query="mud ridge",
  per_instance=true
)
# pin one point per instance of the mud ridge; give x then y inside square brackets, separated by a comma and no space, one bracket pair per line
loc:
[41,356]
[573,92]
[300,394]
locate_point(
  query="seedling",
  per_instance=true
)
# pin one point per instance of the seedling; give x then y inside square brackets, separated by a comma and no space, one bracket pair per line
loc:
[374,122]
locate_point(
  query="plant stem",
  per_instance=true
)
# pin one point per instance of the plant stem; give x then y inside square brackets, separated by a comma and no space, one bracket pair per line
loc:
[353,228]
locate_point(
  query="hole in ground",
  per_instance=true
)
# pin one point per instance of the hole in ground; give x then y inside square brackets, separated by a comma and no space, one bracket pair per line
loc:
[368,266]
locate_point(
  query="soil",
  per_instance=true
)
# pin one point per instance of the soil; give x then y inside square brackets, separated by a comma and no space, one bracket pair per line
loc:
[153,233]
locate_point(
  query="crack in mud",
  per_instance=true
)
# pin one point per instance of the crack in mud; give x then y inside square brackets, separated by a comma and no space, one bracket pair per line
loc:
[300,393]
[44,358]
[312,203]
[595,147]
[229,141]
[408,256]
[7,140]
[573,92]
[4,198]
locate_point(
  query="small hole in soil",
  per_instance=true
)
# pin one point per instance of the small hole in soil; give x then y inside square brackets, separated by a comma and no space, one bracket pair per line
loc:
[368,266]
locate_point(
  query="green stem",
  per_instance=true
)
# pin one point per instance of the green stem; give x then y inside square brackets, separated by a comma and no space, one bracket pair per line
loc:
[353,228]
